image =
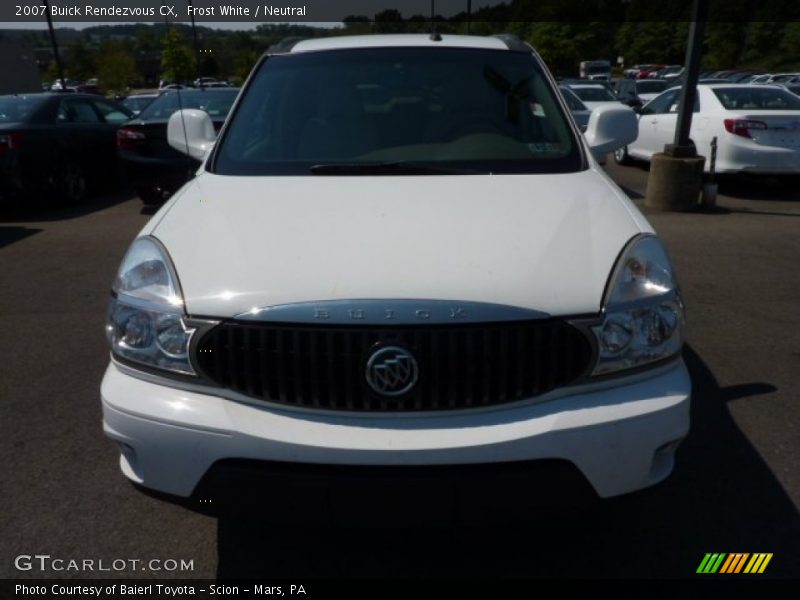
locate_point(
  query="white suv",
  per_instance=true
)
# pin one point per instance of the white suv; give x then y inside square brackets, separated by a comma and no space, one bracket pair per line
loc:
[399,251]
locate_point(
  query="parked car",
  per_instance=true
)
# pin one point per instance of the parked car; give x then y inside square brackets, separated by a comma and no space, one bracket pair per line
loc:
[578,109]
[633,72]
[673,73]
[670,71]
[791,87]
[782,77]
[399,251]
[151,166]
[644,73]
[593,94]
[752,78]
[204,81]
[58,144]
[756,128]
[636,92]
[138,102]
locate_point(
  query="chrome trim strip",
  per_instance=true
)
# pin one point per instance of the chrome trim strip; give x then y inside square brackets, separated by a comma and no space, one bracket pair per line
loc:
[390,312]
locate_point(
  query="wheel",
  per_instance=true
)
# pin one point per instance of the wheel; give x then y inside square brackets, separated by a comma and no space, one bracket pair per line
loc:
[621,156]
[72,184]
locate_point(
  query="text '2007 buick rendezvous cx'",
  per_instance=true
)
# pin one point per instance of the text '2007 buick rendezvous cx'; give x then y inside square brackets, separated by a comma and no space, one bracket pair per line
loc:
[399,252]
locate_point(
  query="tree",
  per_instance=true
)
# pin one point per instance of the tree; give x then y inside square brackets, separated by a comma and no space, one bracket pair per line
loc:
[177,59]
[80,61]
[389,21]
[243,63]
[116,68]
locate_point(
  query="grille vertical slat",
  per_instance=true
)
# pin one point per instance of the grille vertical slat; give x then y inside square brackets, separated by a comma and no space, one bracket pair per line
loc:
[459,366]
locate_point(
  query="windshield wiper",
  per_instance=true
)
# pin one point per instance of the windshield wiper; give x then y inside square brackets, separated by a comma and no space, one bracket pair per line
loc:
[398,167]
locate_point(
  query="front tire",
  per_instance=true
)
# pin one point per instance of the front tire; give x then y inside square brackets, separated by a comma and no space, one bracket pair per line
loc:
[621,156]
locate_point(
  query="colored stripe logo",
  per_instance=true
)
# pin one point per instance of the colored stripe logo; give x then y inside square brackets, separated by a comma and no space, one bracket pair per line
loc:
[735,562]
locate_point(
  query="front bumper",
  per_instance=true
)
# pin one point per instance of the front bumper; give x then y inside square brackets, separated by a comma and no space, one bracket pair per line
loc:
[621,435]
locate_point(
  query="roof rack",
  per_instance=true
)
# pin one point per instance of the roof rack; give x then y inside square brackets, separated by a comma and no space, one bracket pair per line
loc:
[285,45]
[513,42]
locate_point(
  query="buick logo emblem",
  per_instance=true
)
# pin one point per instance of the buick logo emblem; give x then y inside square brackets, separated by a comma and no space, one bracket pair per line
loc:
[392,371]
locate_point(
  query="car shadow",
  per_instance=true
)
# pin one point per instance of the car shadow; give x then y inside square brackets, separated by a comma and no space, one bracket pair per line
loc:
[751,187]
[722,497]
[12,233]
[36,210]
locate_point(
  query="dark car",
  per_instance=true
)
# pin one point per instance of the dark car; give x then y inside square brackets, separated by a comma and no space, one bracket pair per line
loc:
[136,103]
[57,143]
[152,167]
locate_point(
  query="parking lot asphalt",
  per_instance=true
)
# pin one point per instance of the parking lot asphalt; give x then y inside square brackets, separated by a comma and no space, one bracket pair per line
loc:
[736,485]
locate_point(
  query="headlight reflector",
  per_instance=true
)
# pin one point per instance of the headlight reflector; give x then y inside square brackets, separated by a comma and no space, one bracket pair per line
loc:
[146,321]
[643,311]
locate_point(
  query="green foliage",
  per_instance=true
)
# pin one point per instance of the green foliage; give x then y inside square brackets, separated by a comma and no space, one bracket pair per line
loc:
[116,68]
[80,61]
[770,40]
[51,72]
[177,59]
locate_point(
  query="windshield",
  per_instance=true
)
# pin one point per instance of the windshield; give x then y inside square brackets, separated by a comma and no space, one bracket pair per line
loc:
[215,102]
[137,103]
[650,87]
[16,109]
[757,98]
[598,69]
[594,94]
[453,109]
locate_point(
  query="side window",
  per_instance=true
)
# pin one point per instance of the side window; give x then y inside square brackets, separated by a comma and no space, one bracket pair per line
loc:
[76,110]
[661,104]
[112,114]
[676,104]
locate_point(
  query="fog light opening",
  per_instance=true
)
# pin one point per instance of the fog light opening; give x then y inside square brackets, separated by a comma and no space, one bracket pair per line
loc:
[129,462]
[663,460]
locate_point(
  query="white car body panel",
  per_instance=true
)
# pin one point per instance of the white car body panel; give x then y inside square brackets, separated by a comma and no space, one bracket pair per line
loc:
[621,437]
[481,238]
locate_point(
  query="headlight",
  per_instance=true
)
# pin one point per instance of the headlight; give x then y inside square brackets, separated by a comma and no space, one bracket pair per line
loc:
[643,320]
[146,316]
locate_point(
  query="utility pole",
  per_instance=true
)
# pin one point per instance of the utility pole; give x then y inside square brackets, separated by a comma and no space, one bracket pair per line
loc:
[681,146]
[469,14]
[54,44]
[676,174]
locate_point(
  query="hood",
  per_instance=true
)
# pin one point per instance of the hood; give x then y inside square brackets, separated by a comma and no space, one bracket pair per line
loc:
[542,242]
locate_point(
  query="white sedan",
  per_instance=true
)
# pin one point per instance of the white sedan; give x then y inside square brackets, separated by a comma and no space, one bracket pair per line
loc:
[593,95]
[757,128]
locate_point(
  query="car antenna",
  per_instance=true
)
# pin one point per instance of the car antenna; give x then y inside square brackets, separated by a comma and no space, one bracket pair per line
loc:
[435,35]
[180,109]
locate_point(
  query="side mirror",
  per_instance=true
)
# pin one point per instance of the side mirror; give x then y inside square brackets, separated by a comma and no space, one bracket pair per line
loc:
[191,131]
[611,127]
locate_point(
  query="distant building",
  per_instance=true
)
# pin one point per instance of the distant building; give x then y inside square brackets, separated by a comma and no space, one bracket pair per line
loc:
[18,69]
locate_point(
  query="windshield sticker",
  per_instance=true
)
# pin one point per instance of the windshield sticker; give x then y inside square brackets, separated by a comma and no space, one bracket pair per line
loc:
[537,109]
